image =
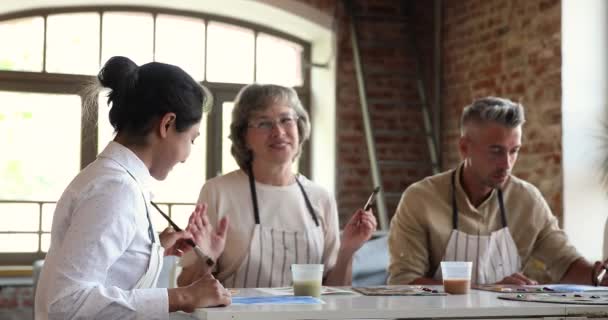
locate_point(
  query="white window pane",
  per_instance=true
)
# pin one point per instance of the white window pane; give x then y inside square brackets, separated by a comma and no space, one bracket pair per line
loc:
[45,242]
[105,131]
[127,34]
[18,242]
[230,53]
[186,50]
[40,139]
[278,61]
[70,49]
[181,213]
[19,216]
[184,182]
[48,209]
[228,162]
[21,42]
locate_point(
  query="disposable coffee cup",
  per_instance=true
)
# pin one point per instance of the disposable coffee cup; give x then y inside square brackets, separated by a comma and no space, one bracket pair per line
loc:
[456,276]
[307,279]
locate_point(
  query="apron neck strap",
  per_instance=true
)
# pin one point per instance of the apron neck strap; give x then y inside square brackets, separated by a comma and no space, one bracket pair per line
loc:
[454,204]
[150,230]
[254,198]
[501,204]
[308,204]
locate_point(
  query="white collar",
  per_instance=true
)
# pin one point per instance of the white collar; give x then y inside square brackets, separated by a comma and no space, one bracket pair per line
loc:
[128,160]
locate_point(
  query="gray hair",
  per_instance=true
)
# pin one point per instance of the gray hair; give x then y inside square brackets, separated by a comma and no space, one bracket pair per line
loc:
[257,97]
[493,109]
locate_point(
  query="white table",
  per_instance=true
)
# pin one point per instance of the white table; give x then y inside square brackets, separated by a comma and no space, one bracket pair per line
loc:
[475,305]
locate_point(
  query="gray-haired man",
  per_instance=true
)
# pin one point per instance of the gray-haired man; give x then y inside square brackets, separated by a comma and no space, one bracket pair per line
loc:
[479,212]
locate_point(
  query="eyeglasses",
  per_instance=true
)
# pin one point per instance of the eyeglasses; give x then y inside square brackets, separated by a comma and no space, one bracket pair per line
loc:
[285,122]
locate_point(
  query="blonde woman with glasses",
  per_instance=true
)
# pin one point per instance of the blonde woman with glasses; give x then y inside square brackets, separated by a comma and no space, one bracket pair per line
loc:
[276,217]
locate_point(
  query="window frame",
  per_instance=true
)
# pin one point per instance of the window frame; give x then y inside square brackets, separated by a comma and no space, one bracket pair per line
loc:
[60,83]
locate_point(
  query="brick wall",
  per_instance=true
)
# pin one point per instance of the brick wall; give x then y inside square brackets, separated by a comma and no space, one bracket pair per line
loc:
[389,63]
[490,47]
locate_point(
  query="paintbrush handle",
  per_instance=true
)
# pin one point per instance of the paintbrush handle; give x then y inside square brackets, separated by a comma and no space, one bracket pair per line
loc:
[601,275]
[371,199]
[199,252]
[178,229]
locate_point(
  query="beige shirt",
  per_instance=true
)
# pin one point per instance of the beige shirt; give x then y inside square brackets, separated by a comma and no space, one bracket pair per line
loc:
[421,227]
[279,207]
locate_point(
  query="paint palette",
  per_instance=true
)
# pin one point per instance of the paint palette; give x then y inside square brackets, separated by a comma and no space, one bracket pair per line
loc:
[596,298]
[548,288]
[402,290]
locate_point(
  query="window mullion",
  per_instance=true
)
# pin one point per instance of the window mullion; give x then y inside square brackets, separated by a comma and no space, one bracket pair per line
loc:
[44,43]
[205,50]
[100,37]
[88,131]
[255,55]
[154,17]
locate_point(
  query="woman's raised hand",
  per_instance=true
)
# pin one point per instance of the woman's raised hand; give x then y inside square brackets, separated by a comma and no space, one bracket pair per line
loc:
[358,230]
[211,240]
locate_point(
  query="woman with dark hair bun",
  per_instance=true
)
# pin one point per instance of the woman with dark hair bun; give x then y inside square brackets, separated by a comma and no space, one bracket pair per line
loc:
[105,256]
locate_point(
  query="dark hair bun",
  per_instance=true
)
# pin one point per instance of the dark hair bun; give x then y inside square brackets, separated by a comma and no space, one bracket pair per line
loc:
[116,71]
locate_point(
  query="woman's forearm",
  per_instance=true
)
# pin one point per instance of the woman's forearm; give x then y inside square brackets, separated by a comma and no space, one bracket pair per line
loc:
[342,272]
[179,299]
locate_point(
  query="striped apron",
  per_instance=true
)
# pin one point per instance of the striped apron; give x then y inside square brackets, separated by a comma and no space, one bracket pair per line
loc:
[494,256]
[272,251]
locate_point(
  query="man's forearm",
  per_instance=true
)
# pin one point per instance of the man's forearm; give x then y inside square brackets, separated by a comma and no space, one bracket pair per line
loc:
[580,272]
[426,281]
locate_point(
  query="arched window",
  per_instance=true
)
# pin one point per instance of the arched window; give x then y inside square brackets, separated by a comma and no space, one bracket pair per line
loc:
[47,137]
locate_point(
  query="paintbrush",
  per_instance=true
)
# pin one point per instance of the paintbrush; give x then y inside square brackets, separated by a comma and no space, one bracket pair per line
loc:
[600,276]
[199,252]
[369,202]
[371,199]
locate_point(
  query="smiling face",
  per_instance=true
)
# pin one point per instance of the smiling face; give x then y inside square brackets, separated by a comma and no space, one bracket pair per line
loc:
[272,135]
[174,147]
[490,151]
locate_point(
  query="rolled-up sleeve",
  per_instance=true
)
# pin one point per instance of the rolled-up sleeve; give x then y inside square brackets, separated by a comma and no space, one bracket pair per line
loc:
[407,242]
[100,231]
[552,246]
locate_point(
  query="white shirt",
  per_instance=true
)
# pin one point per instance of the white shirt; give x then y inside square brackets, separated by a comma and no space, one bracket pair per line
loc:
[281,207]
[100,245]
